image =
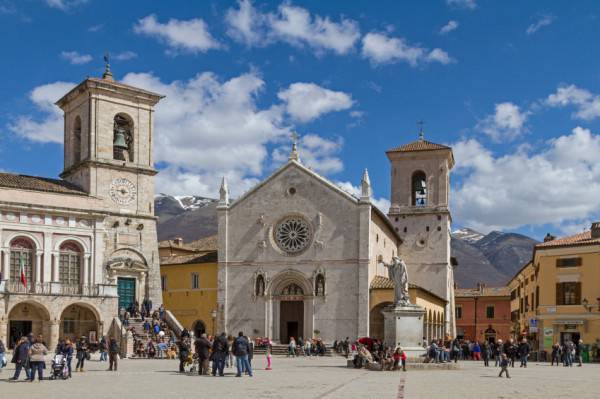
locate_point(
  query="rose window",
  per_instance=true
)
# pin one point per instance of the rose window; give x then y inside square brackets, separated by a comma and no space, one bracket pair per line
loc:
[292,235]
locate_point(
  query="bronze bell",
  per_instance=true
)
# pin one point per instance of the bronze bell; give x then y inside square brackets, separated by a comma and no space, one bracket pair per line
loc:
[120,139]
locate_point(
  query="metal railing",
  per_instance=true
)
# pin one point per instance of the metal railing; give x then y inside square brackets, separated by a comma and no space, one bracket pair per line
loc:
[35,288]
[16,287]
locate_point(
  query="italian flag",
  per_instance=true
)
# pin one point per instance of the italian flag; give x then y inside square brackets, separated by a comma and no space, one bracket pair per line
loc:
[22,270]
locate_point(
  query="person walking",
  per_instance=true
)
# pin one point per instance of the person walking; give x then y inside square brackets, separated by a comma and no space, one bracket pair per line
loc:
[241,348]
[113,354]
[269,355]
[524,352]
[82,350]
[486,353]
[67,352]
[2,356]
[568,350]
[498,352]
[292,347]
[184,352]
[555,354]
[579,348]
[220,352]
[37,353]
[476,351]
[103,347]
[503,365]
[202,346]
[250,353]
[21,358]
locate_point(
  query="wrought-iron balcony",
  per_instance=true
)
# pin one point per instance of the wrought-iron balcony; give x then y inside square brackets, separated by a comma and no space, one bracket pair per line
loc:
[56,288]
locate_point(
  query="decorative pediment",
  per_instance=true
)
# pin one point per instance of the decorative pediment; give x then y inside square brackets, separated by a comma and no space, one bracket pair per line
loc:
[126,260]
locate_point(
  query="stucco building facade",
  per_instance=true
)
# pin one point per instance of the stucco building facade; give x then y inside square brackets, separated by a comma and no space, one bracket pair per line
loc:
[86,242]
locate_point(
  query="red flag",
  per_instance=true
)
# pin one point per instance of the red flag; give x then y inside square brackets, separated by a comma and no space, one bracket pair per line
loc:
[22,269]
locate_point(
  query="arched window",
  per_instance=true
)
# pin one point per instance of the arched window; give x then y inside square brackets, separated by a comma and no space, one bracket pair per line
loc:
[259,289]
[69,264]
[419,189]
[21,253]
[76,144]
[292,289]
[123,138]
[320,285]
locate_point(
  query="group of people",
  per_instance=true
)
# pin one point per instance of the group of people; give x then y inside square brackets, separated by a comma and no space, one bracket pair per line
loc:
[568,353]
[219,350]
[134,310]
[309,347]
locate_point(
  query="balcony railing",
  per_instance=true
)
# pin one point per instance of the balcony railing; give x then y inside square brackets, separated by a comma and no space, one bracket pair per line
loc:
[53,288]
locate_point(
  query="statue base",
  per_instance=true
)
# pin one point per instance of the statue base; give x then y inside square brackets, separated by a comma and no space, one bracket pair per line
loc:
[403,326]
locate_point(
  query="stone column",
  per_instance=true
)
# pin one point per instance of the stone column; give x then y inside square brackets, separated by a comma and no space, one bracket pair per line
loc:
[38,267]
[6,263]
[54,332]
[86,270]
[55,266]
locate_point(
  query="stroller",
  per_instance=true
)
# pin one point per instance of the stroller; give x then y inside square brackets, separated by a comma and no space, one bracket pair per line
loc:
[59,367]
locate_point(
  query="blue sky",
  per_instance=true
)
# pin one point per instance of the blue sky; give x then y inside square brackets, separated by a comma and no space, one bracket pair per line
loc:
[512,86]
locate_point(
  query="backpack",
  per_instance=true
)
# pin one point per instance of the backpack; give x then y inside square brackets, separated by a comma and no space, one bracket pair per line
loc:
[241,347]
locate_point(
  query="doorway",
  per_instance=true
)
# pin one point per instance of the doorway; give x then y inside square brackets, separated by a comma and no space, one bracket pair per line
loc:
[572,336]
[291,320]
[126,292]
[18,329]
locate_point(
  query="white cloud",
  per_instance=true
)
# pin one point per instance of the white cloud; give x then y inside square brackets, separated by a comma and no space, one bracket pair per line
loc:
[316,152]
[188,36]
[64,5]
[468,4]
[308,101]
[246,24]
[75,58]
[50,128]
[544,20]
[560,184]
[449,27]
[382,203]
[291,24]
[124,56]
[587,104]
[380,48]
[506,123]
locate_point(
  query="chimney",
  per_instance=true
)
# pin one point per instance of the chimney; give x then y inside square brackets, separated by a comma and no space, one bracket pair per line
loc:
[178,241]
[549,237]
[596,230]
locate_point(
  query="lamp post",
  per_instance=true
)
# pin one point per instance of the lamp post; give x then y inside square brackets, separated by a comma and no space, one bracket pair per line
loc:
[213,315]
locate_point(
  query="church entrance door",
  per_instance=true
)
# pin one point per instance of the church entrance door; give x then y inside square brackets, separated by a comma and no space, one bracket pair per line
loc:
[126,292]
[291,320]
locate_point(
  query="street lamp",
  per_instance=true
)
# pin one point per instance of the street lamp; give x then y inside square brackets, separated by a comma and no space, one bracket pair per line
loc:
[213,315]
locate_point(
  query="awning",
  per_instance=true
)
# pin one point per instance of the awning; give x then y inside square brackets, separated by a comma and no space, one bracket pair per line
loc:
[562,321]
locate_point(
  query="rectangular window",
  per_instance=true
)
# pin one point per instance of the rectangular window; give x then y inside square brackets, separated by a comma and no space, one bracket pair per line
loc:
[537,296]
[521,305]
[532,301]
[163,282]
[489,312]
[459,312]
[513,294]
[195,281]
[526,303]
[526,281]
[568,293]
[568,262]
[68,326]
[514,315]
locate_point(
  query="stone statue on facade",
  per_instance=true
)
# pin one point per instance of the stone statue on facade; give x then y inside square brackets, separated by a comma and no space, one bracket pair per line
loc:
[399,275]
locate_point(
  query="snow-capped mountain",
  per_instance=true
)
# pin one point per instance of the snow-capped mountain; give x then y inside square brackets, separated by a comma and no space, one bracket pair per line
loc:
[467,234]
[190,217]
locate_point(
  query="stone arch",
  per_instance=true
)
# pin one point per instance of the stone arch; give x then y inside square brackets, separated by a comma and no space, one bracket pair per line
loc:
[199,328]
[76,140]
[124,126]
[418,188]
[376,320]
[283,279]
[81,243]
[26,317]
[80,319]
[17,234]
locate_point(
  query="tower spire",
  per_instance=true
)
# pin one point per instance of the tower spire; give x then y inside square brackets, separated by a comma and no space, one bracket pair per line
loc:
[224,193]
[107,75]
[365,187]
[421,134]
[294,154]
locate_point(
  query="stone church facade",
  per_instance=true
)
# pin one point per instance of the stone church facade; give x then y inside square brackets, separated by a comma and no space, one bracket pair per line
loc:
[87,242]
[298,256]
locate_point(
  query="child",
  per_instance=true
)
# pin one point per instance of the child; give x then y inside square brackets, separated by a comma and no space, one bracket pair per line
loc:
[268,354]
[403,358]
[504,365]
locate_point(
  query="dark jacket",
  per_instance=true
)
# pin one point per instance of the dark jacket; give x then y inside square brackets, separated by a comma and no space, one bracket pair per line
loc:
[523,349]
[241,346]
[113,346]
[21,353]
[220,346]
[81,349]
[202,347]
[184,349]
[67,351]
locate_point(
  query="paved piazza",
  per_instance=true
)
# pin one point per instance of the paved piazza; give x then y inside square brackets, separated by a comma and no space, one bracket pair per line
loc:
[311,378]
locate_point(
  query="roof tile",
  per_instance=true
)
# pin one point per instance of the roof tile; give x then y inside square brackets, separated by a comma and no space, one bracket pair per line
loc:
[419,145]
[35,183]
[584,238]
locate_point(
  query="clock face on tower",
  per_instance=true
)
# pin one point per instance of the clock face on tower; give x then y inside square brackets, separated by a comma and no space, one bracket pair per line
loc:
[122,191]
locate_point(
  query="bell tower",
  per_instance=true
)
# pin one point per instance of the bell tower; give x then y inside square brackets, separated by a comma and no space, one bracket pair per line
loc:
[420,186]
[108,142]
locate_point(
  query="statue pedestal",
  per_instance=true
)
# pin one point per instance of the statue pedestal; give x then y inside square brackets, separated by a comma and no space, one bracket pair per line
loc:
[403,326]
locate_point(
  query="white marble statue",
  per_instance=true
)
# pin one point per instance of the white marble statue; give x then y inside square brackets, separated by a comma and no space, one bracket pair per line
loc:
[399,275]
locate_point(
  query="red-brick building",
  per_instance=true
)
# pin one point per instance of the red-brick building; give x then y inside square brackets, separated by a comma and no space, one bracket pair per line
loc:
[482,313]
